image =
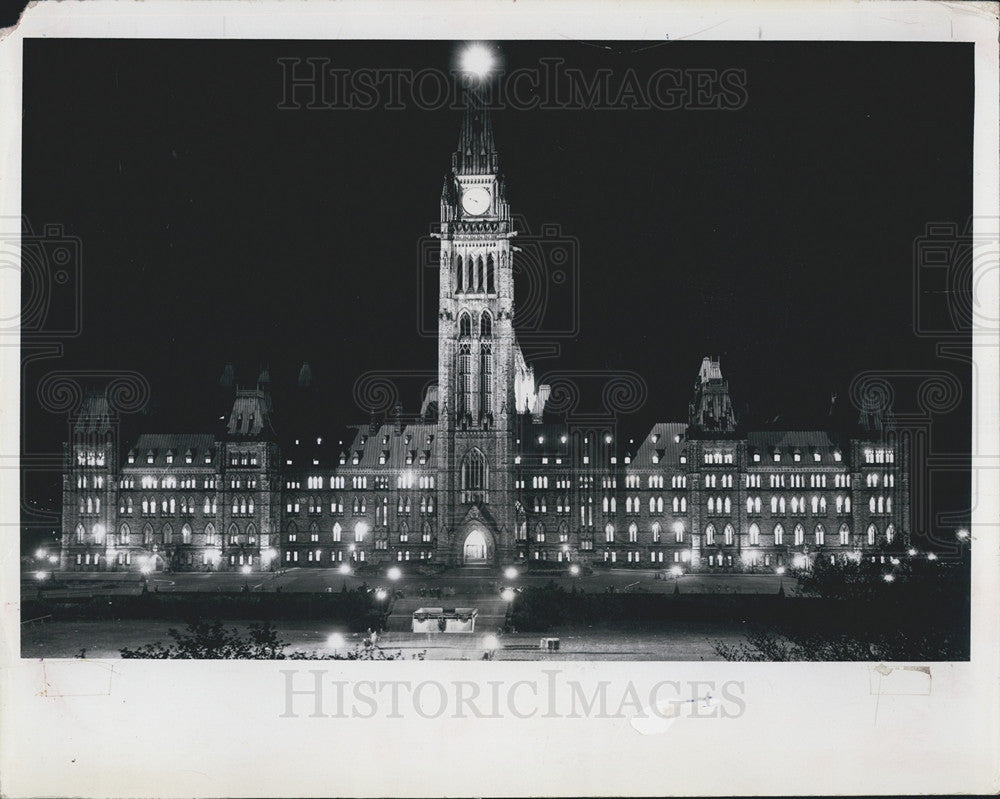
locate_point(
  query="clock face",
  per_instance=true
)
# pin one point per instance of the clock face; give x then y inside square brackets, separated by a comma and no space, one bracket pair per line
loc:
[476,200]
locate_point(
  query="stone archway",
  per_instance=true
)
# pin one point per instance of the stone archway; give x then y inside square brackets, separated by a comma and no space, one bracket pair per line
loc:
[477,548]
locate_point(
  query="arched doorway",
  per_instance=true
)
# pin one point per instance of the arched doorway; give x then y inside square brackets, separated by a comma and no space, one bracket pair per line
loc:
[476,548]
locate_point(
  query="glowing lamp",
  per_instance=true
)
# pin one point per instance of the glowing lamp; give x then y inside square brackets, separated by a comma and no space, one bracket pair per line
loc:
[394,573]
[491,642]
[574,570]
[508,594]
[335,640]
[476,60]
[676,571]
[344,568]
[245,569]
[510,573]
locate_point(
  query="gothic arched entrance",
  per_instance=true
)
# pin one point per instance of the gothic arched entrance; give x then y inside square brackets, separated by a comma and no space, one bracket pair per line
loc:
[476,548]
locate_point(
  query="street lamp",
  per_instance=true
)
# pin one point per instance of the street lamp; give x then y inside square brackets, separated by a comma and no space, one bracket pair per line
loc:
[911,552]
[344,568]
[381,594]
[888,577]
[490,643]
[508,594]
[931,556]
[962,534]
[574,570]
[245,570]
[394,573]
[40,554]
[510,573]
[336,641]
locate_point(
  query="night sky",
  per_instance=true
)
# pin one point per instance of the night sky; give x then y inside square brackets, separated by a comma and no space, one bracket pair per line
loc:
[217,227]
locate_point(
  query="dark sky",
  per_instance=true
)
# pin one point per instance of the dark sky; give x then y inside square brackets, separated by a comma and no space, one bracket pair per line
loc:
[216,227]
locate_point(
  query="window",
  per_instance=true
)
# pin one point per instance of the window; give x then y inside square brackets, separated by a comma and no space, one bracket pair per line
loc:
[337,531]
[186,534]
[464,325]
[475,476]
[872,533]
[633,533]
[779,535]
[710,534]
[820,535]
[800,535]
[727,534]
[609,533]
[754,535]
[486,323]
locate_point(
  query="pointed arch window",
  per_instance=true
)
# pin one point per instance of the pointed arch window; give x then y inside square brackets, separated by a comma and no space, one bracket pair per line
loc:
[464,325]
[480,283]
[779,535]
[890,533]
[147,534]
[486,325]
[80,533]
[458,273]
[490,278]
[800,534]
[609,533]
[210,539]
[845,535]
[337,532]
[475,477]
[754,535]
[820,535]
[657,530]
[234,534]
[872,534]
[727,534]
[186,533]
[124,533]
[710,534]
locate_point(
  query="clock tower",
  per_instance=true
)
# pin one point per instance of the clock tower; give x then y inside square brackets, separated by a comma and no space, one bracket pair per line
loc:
[477,363]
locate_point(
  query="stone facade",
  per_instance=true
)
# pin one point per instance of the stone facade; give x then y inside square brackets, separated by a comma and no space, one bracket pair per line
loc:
[482,475]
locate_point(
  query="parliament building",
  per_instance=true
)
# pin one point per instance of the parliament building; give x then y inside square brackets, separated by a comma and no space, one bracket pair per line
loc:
[484,475]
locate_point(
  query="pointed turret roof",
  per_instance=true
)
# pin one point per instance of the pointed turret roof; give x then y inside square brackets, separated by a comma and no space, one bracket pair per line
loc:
[476,153]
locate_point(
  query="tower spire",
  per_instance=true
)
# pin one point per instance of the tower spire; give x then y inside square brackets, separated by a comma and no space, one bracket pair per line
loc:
[476,153]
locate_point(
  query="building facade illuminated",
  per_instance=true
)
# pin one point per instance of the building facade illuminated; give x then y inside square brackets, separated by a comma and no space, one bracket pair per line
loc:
[484,476]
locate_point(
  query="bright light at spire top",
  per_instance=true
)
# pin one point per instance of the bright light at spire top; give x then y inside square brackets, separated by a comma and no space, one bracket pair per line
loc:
[477,60]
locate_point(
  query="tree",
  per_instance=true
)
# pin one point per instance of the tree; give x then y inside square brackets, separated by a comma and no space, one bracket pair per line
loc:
[209,640]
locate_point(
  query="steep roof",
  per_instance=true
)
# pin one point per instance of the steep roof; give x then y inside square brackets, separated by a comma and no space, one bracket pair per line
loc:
[160,445]
[661,446]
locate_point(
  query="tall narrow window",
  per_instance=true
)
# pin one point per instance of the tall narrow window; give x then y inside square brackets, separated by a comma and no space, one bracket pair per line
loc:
[464,379]
[458,273]
[485,376]
[754,534]
[480,285]
[728,534]
[710,534]
[464,326]
[475,477]
[779,535]
[486,325]
[490,279]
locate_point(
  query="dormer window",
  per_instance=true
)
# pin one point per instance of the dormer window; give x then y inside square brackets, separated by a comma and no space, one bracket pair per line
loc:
[797,456]
[836,455]
[170,457]
[777,457]
[131,457]
[655,437]
[149,457]
[816,457]
[756,457]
